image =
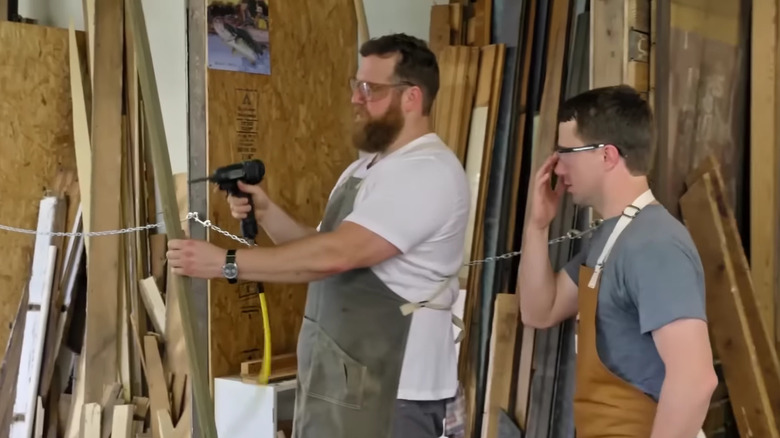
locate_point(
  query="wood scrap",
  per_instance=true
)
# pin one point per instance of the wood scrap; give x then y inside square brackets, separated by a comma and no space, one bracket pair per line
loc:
[705,213]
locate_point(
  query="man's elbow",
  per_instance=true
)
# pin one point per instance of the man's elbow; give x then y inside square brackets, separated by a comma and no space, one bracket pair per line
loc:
[533,320]
[701,384]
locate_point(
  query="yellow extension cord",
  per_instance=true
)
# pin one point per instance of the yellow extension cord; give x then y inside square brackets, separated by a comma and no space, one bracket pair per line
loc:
[265,371]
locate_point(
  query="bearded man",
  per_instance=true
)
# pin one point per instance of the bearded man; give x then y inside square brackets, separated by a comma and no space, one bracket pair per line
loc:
[376,351]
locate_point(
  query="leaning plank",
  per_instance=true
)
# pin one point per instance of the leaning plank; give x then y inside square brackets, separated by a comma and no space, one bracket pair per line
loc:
[499,378]
[40,286]
[158,388]
[91,420]
[728,320]
[158,147]
[760,336]
[154,304]
[764,163]
[101,348]
[122,426]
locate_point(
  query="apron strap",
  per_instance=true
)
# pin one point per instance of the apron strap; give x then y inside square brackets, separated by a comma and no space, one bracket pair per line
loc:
[629,213]
[409,308]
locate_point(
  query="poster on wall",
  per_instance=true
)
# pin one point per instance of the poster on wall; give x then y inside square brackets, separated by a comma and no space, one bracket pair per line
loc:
[238,36]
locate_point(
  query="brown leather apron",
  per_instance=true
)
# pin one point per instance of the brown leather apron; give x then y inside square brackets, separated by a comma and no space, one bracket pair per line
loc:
[605,405]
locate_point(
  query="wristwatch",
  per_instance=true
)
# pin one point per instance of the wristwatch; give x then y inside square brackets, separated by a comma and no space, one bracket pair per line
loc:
[230,269]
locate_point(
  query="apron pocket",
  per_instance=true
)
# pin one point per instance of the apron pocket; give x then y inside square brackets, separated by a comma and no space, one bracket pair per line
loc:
[334,376]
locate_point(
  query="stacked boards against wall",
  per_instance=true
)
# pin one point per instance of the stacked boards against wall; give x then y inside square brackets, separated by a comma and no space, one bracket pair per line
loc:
[297,121]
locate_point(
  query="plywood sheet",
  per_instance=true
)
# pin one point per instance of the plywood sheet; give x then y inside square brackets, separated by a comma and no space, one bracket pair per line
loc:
[37,133]
[297,120]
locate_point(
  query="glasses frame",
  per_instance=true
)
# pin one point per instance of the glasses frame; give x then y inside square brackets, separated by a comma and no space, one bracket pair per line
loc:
[588,147]
[373,91]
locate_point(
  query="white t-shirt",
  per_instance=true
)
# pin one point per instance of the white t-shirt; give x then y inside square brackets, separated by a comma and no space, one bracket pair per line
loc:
[418,199]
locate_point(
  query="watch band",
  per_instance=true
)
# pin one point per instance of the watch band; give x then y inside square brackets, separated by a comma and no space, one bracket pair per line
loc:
[231,256]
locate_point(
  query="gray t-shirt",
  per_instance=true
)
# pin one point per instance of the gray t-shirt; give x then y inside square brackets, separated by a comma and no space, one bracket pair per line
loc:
[653,276]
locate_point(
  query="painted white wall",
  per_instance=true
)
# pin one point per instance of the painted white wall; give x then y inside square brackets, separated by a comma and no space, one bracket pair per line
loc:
[166,22]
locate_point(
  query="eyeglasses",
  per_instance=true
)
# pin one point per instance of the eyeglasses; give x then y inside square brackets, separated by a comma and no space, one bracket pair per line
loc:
[588,147]
[373,91]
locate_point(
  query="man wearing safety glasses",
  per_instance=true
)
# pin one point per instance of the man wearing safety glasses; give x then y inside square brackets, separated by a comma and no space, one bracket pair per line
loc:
[376,351]
[644,361]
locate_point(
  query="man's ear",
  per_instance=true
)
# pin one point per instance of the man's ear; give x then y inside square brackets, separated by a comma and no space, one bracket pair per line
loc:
[413,97]
[611,156]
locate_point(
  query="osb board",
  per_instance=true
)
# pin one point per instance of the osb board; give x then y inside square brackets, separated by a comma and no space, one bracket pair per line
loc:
[297,121]
[37,133]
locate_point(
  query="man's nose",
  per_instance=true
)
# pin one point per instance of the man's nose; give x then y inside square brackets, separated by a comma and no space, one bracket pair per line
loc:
[357,97]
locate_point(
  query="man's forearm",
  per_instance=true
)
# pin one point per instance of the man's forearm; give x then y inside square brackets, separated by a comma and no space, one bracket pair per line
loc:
[682,407]
[535,278]
[296,262]
[282,228]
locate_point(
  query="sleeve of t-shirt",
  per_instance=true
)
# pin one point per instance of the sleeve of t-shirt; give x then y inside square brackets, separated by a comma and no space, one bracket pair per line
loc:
[665,281]
[406,206]
[572,267]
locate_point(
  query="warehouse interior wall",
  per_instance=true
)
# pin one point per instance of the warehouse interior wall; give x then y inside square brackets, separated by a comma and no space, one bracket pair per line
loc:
[166,22]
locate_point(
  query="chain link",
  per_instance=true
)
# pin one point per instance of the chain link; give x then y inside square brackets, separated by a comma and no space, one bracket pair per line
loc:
[571,235]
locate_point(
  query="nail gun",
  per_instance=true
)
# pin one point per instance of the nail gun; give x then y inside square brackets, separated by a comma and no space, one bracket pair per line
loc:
[227,178]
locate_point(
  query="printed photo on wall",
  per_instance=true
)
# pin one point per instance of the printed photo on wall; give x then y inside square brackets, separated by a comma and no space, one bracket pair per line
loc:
[238,36]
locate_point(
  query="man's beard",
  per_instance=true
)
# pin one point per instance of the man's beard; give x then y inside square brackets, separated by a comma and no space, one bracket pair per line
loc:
[377,134]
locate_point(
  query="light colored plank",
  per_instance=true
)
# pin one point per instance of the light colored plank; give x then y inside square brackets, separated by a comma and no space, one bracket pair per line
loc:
[102,328]
[158,147]
[764,163]
[122,425]
[154,304]
[39,299]
[158,387]
[500,367]
[91,422]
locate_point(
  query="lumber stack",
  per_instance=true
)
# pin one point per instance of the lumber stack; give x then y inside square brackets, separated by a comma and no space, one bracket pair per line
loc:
[744,345]
[98,345]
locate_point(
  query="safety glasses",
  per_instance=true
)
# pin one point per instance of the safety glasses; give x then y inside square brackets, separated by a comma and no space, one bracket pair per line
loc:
[561,150]
[372,91]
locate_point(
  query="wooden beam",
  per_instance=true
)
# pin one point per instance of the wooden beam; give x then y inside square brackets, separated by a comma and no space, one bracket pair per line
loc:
[102,327]
[765,162]
[198,166]
[158,147]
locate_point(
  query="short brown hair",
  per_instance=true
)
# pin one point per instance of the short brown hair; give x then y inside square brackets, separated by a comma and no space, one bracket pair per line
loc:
[416,64]
[616,115]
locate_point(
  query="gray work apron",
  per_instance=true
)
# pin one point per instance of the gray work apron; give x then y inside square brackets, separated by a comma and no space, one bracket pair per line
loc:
[351,346]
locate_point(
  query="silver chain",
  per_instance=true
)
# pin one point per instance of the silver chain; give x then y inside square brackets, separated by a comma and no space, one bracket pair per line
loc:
[571,235]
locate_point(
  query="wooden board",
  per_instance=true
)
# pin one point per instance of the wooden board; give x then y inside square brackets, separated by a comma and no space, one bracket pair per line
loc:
[102,328]
[298,121]
[764,163]
[37,133]
[620,43]
[728,319]
[500,373]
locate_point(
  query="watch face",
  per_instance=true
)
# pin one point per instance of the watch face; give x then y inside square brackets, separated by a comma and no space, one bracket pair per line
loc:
[230,270]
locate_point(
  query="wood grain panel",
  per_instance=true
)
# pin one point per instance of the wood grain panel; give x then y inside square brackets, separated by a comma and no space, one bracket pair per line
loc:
[300,118]
[102,327]
[37,133]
